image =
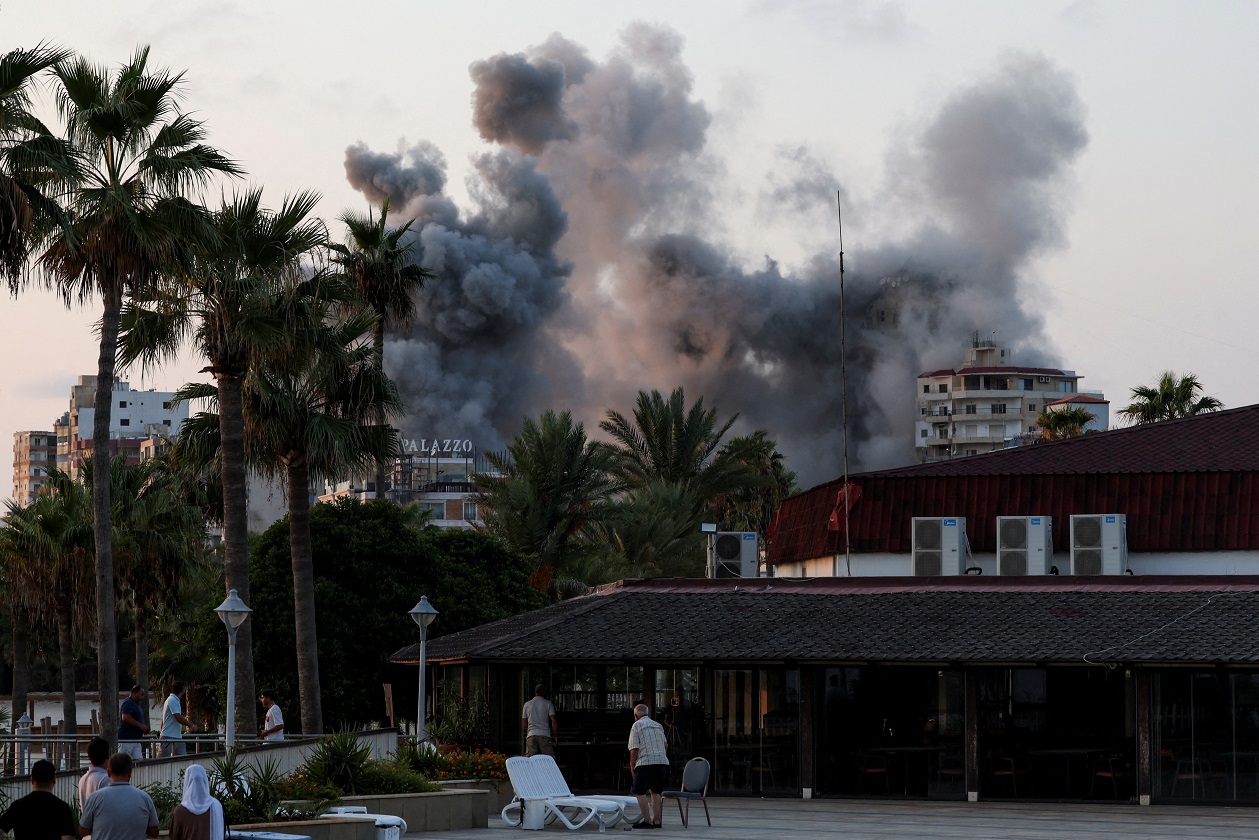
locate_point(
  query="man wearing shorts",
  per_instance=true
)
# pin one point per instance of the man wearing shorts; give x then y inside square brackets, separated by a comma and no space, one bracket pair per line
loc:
[650,761]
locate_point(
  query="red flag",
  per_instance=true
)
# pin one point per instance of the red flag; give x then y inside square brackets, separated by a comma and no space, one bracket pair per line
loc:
[848,496]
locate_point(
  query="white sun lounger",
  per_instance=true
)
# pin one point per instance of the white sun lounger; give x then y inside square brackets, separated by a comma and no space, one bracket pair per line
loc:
[540,798]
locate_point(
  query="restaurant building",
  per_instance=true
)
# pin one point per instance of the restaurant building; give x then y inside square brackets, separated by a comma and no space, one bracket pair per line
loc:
[1138,685]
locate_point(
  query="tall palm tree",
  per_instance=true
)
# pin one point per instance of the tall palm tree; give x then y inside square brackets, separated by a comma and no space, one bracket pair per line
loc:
[385,275]
[1172,397]
[1063,423]
[48,548]
[130,223]
[30,158]
[550,485]
[317,417]
[232,304]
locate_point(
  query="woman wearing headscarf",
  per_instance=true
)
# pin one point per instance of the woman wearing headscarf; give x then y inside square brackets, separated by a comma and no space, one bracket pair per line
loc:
[199,816]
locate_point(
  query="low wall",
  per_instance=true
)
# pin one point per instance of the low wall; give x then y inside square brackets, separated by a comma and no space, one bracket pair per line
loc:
[444,810]
[500,793]
[338,829]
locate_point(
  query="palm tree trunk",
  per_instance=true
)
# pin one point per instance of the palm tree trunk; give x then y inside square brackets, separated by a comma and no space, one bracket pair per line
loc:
[142,649]
[236,542]
[304,596]
[106,638]
[21,661]
[65,646]
[378,344]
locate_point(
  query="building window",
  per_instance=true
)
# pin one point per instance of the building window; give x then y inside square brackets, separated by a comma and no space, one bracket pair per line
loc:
[122,403]
[972,451]
[1031,406]
[469,510]
[926,389]
[972,409]
[922,433]
[166,422]
[166,406]
[1027,384]
[972,383]
[124,422]
[998,408]
[944,389]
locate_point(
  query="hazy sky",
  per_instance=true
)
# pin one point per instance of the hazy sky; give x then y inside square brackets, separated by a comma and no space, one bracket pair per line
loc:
[1148,272]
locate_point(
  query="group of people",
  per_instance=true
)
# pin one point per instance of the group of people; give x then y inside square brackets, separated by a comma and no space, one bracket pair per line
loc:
[648,750]
[110,808]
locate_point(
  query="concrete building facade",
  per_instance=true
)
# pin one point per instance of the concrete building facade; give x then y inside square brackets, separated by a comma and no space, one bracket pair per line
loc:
[33,453]
[136,416]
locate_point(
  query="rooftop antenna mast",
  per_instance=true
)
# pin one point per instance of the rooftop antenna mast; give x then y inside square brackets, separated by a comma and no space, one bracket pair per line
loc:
[843,384]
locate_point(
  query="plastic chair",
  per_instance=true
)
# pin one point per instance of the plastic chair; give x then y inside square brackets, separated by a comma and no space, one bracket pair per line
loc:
[694,787]
[1007,767]
[873,766]
[1111,767]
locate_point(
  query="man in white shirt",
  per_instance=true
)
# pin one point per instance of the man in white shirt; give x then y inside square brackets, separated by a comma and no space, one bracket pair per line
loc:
[273,724]
[173,723]
[649,758]
[96,776]
[538,720]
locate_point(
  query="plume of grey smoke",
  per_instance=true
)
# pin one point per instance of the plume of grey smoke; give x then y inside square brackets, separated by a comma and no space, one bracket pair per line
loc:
[593,264]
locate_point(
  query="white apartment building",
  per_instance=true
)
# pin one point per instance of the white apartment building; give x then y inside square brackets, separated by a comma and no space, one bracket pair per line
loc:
[991,403]
[136,416]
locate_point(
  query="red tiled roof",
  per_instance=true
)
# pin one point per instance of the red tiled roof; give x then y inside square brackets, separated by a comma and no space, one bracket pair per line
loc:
[941,372]
[1081,398]
[1185,485]
[1013,370]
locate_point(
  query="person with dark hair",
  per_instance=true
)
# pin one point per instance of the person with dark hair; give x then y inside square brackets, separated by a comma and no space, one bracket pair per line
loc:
[538,720]
[273,724]
[39,815]
[119,811]
[171,734]
[96,776]
[132,723]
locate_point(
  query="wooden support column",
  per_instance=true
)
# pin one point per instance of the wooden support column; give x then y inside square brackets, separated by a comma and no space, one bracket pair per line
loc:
[971,749]
[649,692]
[808,739]
[1145,736]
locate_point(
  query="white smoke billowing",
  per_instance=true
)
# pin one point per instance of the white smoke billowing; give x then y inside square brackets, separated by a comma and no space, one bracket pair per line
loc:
[593,263]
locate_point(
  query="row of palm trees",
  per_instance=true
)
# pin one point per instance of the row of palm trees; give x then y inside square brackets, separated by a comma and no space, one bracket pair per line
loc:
[1172,397]
[291,326]
[587,511]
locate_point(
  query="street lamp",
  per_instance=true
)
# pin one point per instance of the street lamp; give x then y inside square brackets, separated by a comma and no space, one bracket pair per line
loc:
[423,614]
[233,612]
[710,566]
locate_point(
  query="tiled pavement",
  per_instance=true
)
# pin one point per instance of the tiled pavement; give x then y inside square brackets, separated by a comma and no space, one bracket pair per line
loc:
[780,819]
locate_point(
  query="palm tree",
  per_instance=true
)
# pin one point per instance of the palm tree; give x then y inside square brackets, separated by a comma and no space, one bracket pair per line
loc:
[1172,397]
[232,305]
[130,223]
[30,157]
[1063,423]
[317,416]
[48,549]
[550,485]
[751,506]
[383,273]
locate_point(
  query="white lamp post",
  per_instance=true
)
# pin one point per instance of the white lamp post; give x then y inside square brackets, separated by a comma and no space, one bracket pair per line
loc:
[423,614]
[233,612]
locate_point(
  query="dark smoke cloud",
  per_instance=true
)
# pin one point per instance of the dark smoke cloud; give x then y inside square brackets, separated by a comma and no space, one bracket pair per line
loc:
[593,263]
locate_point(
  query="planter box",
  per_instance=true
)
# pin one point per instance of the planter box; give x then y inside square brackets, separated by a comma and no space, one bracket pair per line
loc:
[444,810]
[498,798]
[340,829]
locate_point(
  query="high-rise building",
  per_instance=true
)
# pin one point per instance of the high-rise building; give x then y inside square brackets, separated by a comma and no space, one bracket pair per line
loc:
[33,454]
[136,416]
[990,403]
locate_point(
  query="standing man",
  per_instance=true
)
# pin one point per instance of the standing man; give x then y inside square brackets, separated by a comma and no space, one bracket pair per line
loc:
[96,776]
[39,815]
[173,723]
[650,760]
[273,724]
[132,723]
[538,720]
[119,810]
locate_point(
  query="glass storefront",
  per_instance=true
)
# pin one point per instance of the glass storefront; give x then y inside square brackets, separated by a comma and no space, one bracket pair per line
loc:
[1206,735]
[755,730]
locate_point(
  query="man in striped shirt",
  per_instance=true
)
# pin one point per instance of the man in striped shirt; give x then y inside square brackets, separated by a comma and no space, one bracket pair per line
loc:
[647,748]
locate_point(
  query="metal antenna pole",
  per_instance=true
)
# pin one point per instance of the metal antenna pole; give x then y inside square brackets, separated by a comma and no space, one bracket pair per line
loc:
[843,379]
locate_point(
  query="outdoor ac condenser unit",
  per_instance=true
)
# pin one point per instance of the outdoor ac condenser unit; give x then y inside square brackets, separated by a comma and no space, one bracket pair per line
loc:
[1025,545]
[736,554]
[1099,544]
[939,545]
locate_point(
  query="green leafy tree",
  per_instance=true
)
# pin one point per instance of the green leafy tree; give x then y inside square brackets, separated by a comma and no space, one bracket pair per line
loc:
[385,275]
[1170,398]
[30,158]
[130,222]
[236,304]
[1063,423]
[550,485]
[369,569]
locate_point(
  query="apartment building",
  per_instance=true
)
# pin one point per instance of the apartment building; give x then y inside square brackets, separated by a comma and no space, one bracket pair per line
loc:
[136,416]
[33,454]
[990,403]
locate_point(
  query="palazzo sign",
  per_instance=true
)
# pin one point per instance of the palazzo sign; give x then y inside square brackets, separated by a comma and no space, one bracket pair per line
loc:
[436,447]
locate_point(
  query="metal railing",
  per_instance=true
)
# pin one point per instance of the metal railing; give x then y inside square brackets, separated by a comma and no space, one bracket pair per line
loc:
[68,752]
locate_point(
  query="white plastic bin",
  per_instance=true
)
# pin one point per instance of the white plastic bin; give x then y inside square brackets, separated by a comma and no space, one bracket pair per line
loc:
[532,814]
[388,827]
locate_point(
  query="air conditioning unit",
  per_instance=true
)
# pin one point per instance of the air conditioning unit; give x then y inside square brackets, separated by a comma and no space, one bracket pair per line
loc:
[1044,379]
[1025,545]
[736,554]
[939,546]
[1099,544]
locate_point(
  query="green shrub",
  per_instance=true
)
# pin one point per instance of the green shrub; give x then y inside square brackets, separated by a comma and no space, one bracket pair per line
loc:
[381,778]
[339,761]
[165,797]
